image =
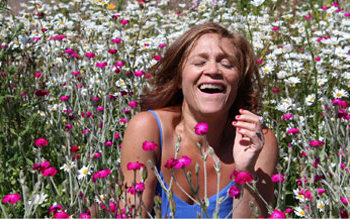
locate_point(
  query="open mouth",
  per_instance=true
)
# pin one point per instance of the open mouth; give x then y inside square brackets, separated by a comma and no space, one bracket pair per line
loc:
[212,88]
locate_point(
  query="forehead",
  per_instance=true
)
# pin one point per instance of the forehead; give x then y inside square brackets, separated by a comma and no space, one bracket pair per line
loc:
[212,42]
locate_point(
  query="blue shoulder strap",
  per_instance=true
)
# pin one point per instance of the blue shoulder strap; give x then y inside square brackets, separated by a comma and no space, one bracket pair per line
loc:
[160,129]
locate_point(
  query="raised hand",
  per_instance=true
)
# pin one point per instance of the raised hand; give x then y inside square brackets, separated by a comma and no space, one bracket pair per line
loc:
[249,140]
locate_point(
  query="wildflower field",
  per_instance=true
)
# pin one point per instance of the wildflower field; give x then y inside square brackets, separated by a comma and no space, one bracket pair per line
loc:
[71,75]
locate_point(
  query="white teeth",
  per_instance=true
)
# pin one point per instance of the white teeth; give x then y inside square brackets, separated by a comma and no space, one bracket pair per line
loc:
[211,86]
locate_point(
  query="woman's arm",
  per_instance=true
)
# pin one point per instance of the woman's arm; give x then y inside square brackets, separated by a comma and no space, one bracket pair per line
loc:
[256,155]
[142,127]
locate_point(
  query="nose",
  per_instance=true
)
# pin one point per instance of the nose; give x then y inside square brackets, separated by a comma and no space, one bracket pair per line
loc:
[212,69]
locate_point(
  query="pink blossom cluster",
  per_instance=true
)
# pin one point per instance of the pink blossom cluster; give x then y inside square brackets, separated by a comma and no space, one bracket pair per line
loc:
[184,161]
[138,188]
[101,174]
[45,169]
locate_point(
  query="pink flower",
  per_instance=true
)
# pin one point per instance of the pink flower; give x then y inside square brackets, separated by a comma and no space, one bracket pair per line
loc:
[84,216]
[123,121]
[108,143]
[95,98]
[117,40]
[75,73]
[100,108]
[116,135]
[61,214]
[259,61]
[277,214]
[101,64]
[162,45]
[55,208]
[124,22]
[308,194]
[340,102]
[38,74]
[242,177]
[287,116]
[149,146]
[86,131]
[68,127]
[321,191]
[12,198]
[43,30]
[201,128]
[275,28]
[347,14]
[344,200]
[288,210]
[69,51]
[317,59]
[344,214]
[184,161]
[138,73]
[234,192]
[132,104]
[119,63]
[90,55]
[277,178]
[308,16]
[316,143]
[97,155]
[101,174]
[41,166]
[157,57]
[325,8]
[134,165]
[170,163]
[293,131]
[64,98]
[41,142]
[51,171]
[58,37]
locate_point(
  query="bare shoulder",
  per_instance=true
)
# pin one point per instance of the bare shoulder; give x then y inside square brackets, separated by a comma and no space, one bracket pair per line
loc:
[268,156]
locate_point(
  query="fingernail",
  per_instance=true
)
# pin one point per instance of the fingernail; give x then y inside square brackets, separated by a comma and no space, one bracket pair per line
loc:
[239,129]
[237,117]
[235,122]
[241,110]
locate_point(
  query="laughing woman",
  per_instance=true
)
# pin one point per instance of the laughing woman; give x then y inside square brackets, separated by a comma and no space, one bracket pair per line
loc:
[209,75]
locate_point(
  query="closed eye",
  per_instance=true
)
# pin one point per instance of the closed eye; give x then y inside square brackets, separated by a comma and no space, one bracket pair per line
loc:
[201,63]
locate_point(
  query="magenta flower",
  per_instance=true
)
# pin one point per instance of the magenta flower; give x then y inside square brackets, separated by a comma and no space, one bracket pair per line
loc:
[234,192]
[95,98]
[97,155]
[259,61]
[117,40]
[347,14]
[41,166]
[124,21]
[55,208]
[316,143]
[170,163]
[58,37]
[321,191]
[277,214]
[41,142]
[201,128]
[86,131]
[138,73]
[90,55]
[275,28]
[287,116]
[61,214]
[51,171]
[108,143]
[134,165]
[184,161]
[132,104]
[100,108]
[123,121]
[119,63]
[344,200]
[75,73]
[340,102]
[293,131]
[64,98]
[68,127]
[38,74]
[140,187]
[308,16]
[277,178]
[101,64]
[74,149]
[344,214]
[69,51]
[84,216]
[149,146]
[162,45]
[116,135]
[241,177]
[275,90]
[41,93]
[308,194]
[101,174]
[12,198]
[288,210]
[317,59]
[157,57]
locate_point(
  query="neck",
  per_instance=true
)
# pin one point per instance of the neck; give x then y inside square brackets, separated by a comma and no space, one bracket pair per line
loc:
[217,125]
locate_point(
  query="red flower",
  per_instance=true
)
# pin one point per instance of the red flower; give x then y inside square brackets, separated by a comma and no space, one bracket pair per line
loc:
[149,146]
[201,128]
[242,177]
[277,214]
[41,142]
[41,93]
[12,198]
[112,51]
[74,149]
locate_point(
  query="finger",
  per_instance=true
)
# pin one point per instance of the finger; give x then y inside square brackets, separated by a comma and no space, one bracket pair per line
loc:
[248,117]
[255,138]
[246,125]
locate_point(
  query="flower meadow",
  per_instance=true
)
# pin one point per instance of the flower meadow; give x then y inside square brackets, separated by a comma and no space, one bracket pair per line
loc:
[71,74]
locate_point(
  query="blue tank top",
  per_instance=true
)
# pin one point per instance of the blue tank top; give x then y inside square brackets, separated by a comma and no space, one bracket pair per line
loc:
[185,210]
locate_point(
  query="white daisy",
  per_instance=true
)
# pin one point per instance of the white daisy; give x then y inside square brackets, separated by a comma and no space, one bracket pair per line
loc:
[299,212]
[310,99]
[83,172]
[67,166]
[340,93]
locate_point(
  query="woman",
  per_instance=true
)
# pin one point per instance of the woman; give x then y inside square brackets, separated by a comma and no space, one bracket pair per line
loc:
[206,76]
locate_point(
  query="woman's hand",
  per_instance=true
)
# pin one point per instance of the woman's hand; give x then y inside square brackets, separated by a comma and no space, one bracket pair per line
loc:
[249,140]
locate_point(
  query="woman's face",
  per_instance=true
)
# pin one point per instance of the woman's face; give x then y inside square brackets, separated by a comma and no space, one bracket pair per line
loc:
[209,77]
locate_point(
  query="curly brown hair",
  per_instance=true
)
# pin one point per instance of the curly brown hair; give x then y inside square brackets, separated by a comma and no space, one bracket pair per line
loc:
[165,91]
